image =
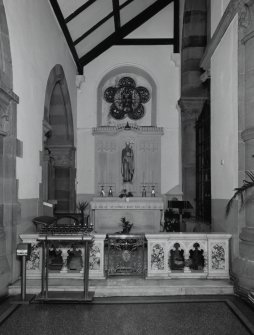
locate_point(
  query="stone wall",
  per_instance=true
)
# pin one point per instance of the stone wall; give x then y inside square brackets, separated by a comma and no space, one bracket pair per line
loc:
[9,206]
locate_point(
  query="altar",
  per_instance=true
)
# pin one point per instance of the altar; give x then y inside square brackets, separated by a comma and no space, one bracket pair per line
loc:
[144,213]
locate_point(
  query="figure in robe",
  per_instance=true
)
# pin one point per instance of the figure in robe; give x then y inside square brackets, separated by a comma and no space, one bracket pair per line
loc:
[127,168]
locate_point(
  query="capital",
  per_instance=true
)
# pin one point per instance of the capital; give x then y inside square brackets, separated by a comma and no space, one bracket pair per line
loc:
[191,107]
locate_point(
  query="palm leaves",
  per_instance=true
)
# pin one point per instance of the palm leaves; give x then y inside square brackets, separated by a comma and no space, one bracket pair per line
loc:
[240,192]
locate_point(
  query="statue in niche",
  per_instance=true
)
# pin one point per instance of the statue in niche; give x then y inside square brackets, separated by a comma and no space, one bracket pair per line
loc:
[127,168]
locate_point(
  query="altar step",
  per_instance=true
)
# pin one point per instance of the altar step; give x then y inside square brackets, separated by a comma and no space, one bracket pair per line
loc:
[124,287]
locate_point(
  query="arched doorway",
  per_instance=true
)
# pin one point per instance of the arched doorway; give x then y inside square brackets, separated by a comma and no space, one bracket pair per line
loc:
[9,207]
[58,171]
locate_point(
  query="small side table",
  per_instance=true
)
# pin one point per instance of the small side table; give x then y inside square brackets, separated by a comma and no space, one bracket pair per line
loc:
[44,296]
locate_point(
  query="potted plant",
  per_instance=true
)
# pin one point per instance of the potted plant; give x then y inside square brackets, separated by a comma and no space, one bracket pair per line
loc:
[240,192]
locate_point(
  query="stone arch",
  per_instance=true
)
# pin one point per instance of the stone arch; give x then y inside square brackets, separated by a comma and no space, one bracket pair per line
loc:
[132,70]
[9,207]
[5,51]
[58,171]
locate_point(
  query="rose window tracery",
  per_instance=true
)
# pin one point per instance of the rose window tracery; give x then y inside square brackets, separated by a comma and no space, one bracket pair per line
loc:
[126,99]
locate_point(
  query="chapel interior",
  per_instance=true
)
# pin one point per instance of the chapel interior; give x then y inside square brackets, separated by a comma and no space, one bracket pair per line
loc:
[126,127]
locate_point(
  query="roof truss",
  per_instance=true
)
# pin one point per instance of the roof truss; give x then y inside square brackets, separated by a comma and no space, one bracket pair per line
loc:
[117,37]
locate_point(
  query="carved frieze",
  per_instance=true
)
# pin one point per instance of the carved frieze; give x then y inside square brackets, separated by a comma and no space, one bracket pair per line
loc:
[113,130]
[133,203]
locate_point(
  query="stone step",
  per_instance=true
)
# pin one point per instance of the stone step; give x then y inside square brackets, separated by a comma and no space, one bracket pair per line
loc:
[132,287]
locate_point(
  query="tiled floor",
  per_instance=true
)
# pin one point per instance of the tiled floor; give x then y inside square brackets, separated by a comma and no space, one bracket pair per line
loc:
[149,316]
[133,286]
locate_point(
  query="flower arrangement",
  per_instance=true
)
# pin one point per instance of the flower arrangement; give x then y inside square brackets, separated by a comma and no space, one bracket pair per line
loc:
[126,225]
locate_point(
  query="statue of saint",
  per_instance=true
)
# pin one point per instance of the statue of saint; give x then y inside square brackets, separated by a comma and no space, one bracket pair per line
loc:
[127,169]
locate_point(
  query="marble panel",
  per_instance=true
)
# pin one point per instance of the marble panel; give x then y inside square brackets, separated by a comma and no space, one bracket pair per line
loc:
[96,259]
[144,213]
[213,248]
[218,256]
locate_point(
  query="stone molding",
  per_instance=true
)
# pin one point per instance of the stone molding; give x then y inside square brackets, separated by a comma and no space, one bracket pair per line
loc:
[248,134]
[113,130]
[191,107]
[127,203]
[234,7]
[6,97]
[80,79]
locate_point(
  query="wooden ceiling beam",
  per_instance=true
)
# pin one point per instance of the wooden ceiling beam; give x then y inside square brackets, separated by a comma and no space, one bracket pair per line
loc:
[126,3]
[79,10]
[115,4]
[176,26]
[124,30]
[145,41]
[60,18]
[97,25]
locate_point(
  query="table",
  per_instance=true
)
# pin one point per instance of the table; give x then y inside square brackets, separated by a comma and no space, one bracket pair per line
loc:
[83,239]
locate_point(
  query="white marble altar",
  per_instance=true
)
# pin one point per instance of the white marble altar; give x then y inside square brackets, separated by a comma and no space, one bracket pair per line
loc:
[215,247]
[96,259]
[146,214]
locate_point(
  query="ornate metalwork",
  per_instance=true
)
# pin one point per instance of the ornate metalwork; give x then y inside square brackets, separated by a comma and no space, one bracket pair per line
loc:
[126,255]
[127,99]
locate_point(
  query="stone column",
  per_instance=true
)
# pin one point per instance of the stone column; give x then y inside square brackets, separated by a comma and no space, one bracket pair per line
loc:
[193,92]
[243,266]
[190,110]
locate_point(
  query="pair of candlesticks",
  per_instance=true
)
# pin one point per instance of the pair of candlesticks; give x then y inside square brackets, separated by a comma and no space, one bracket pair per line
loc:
[103,194]
[110,192]
[144,191]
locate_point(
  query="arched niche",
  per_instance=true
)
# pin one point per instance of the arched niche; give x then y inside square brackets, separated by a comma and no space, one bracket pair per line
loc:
[9,207]
[141,78]
[58,171]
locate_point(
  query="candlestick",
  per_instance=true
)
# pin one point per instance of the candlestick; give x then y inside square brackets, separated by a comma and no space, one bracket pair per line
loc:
[153,192]
[102,193]
[110,192]
[144,191]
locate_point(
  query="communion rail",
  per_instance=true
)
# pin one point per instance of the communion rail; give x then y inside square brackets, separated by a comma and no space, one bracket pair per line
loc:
[168,255]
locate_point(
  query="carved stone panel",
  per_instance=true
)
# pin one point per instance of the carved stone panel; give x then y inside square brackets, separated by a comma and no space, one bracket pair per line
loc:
[128,159]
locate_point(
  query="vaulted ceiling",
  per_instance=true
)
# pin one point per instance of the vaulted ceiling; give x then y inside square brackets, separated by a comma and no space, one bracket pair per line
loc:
[92,26]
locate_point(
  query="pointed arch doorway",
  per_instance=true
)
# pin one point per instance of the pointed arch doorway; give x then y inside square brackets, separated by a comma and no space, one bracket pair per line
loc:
[58,163]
